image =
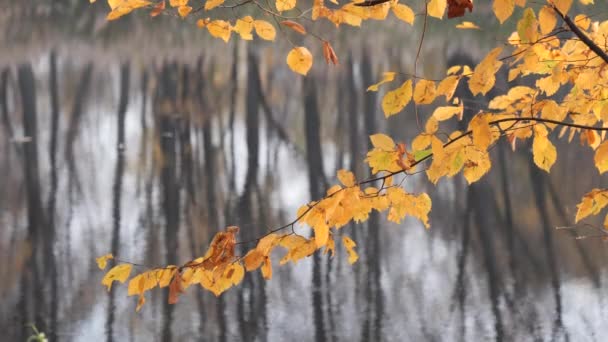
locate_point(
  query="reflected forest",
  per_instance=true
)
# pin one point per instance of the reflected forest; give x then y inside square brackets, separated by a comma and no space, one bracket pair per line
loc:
[146,136]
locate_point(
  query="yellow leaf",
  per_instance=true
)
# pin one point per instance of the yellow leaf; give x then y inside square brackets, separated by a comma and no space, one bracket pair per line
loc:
[395,100]
[382,141]
[211,4]
[446,113]
[299,60]
[285,5]
[586,2]
[563,5]
[436,8]
[448,86]
[267,268]
[546,19]
[140,302]
[431,126]
[544,152]
[219,29]
[403,204]
[484,76]
[350,245]
[482,134]
[467,25]
[118,12]
[178,3]
[582,21]
[330,247]
[552,111]
[346,177]
[503,9]
[102,261]
[165,275]
[421,142]
[321,230]
[379,12]
[184,11]
[117,273]
[476,164]
[592,203]
[601,157]
[298,246]
[264,29]
[253,260]
[403,12]
[234,273]
[527,27]
[267,243]
[380,160]
[386,77]
[243,27]
[425,92]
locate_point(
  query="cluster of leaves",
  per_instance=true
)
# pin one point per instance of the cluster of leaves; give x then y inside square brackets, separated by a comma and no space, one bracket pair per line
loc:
[537,54]
[299,59]
[220,268]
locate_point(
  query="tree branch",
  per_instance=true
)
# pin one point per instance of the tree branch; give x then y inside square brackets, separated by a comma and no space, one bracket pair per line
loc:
[582,36]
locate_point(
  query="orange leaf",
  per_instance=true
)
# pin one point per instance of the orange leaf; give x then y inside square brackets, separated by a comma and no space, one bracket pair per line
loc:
[329,54]
[175,289]
[294,26]
[158,8]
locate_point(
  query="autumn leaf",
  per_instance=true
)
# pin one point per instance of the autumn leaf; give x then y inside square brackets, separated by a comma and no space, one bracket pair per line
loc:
[546,19]
[503,9]
[219,29]
[424,92]
[601,157]
[395,100]
[350,245]
[158,9]
[103,260]
[484,75]
[264,29]
[436,8]
[285,5]
[329,54]
[467,25]
[346,177]
[244,27]
[447,112]
[299,60]
[386,78]
[174,3]
[382,141]
[457,8]
[562,5]
[403,12]
[211,4]
[184,11]
[294,26]
[592,203]
[544,152]
[118,273]
[482,134]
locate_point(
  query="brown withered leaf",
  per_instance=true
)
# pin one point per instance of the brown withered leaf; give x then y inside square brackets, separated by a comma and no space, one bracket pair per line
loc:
[158,9]
[329,54]
[294,26]
[456,8]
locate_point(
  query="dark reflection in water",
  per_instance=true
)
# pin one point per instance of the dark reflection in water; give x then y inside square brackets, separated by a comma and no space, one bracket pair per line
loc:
[161,153]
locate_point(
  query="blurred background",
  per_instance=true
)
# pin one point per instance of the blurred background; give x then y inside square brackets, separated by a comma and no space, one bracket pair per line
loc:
[145,136]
